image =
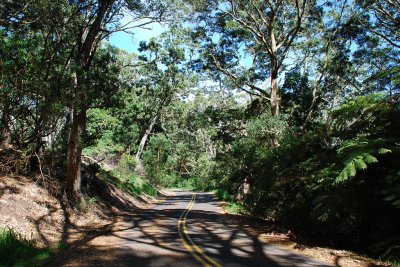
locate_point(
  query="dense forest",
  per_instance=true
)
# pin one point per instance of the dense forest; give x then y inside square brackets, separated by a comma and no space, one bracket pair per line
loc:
[288,110]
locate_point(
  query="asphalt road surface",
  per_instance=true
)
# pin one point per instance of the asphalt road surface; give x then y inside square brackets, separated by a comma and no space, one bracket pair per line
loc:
[188,229]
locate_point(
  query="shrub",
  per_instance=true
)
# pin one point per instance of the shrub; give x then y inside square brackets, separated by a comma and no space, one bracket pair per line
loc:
[127,164]
[222,195]
[16,250]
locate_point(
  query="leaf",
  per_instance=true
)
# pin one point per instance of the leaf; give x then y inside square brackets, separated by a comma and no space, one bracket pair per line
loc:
[341,177]
[368,158]
[390,198]
[384,151]
[356,161]
[360,164]
[351,169]
[396,203]
[323,217]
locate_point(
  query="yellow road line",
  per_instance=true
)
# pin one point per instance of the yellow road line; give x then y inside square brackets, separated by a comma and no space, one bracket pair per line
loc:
[187,246]
[192,247]
[192,242]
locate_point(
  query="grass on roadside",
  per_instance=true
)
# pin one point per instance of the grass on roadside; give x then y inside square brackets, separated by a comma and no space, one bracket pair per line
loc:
[131,183]
[232,207]
[123,175]
[222,195]
[17,250]
[235,208]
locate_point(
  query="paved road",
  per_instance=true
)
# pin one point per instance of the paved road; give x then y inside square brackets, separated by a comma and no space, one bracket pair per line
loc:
[187,230]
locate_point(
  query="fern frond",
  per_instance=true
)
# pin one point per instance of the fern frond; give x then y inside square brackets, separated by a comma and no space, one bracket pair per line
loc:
[341,177]
[384,151]
[359,153]
[368,158]
[360,164]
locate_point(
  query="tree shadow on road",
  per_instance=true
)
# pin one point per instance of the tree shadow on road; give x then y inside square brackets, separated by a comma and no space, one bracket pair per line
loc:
[150,238]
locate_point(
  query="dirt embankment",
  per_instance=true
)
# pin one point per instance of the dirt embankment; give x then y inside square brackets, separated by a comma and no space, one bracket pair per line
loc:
[41,213]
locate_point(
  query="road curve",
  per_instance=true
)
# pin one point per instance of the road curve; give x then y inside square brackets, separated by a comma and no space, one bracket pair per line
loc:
[188,229]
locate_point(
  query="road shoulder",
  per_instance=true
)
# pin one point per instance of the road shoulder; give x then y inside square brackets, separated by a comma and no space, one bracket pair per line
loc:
[267,234]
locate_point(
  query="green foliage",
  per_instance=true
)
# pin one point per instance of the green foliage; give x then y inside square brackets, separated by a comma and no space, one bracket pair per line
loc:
[125,178]
[222,195]
[358,154]
[101,134]
[394,262]
[327,166]
[187,184]
[127,164]
[392,192]
[232,206]
[340,178]
[236,208]
[364,116]
[296,96]
[157,159]
[16,250]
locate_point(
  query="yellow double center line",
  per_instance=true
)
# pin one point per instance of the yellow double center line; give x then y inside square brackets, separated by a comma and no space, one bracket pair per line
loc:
[194,250]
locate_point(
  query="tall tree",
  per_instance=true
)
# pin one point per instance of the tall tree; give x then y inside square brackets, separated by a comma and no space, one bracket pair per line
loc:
[381,17]
[236,31]
[161,84]
[98,20]
[380,43]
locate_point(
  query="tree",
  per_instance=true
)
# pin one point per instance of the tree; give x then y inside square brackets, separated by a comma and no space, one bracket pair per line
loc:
[296,96]
[381,18]
[265,30]
[379,44]
[162,84]
[98,20]
[32,94]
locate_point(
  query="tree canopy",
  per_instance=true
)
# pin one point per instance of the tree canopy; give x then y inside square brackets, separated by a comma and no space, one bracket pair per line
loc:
[289,109]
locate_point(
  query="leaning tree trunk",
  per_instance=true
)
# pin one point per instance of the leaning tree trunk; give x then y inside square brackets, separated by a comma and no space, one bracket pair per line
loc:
[144,138]
[74,155]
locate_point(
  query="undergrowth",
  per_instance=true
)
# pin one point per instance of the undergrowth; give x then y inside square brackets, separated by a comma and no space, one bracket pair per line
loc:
[17,250]
[131,183]
[236,208]
[124,177]
[222,195]
[232,206]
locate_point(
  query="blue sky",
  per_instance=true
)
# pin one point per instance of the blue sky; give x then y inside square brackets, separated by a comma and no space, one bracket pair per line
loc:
[130,42]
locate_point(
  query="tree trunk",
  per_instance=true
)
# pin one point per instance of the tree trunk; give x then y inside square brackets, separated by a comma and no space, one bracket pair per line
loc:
[144,138]
[34,160]
[4,131]
[4,137]
[88,40]
[274,99]
[74,155]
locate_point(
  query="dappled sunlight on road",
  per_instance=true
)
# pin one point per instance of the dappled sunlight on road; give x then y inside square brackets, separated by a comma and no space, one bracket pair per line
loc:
[151,238]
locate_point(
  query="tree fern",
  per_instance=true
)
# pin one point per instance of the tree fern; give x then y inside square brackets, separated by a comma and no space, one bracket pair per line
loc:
[357,155]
